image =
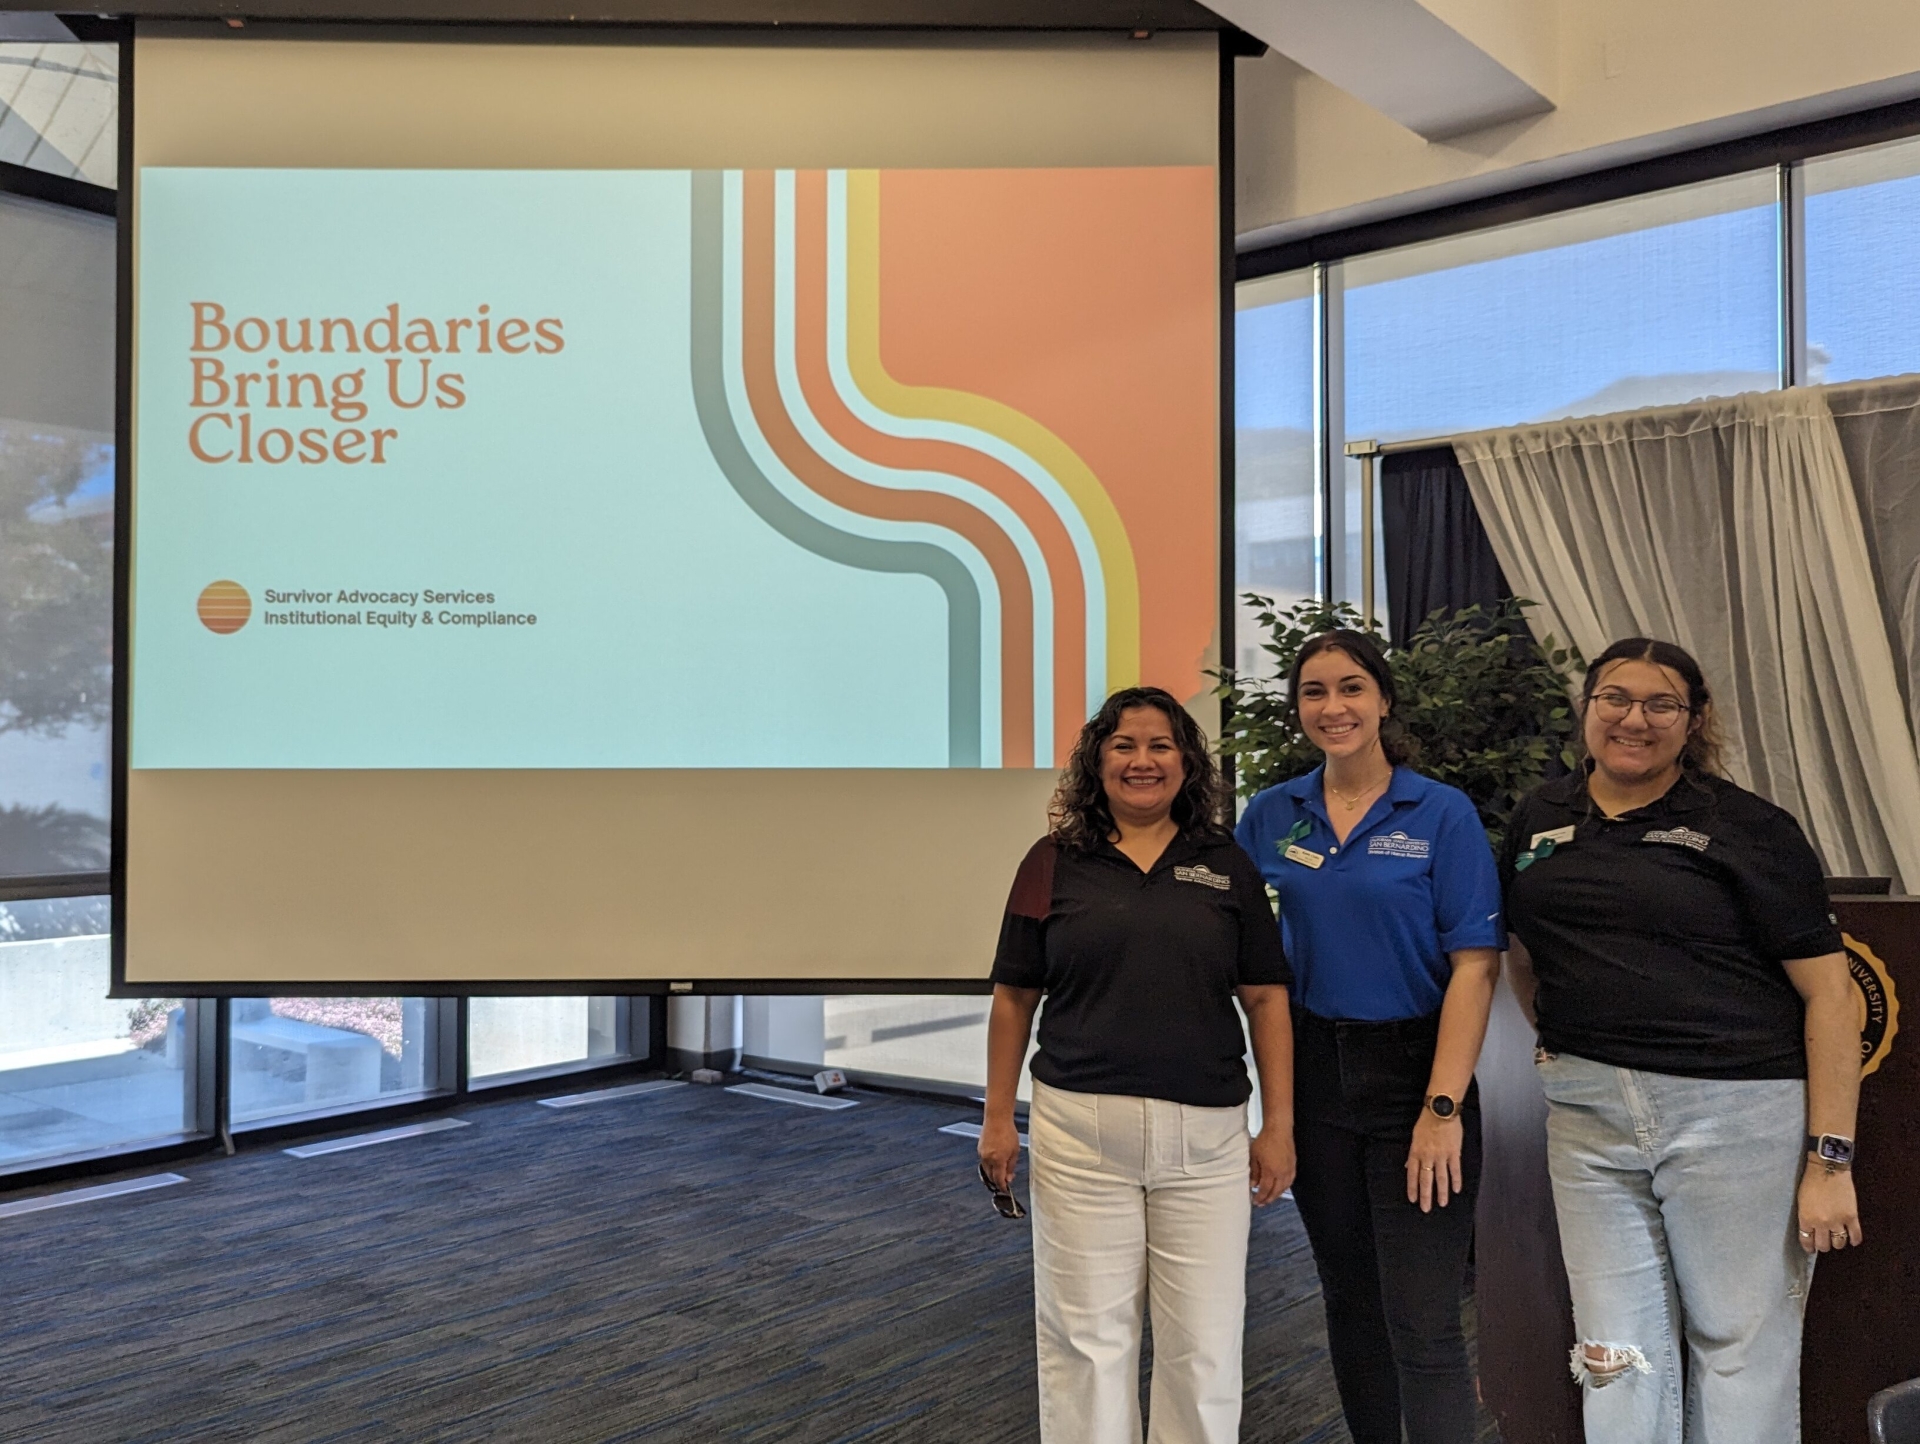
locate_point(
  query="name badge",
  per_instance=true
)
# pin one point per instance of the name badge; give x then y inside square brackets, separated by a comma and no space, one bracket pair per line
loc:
[1556,836]
[1299,854]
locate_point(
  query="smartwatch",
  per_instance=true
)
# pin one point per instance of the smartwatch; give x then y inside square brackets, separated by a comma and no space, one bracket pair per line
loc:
[1443,1106]
[1831,1149]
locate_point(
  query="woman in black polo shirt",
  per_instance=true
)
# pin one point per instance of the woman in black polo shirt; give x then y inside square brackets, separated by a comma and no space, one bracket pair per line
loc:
[1700,1056]
[1140,920]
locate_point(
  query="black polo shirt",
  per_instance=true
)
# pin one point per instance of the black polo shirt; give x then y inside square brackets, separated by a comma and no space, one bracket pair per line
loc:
[1140,967]
[1658,936]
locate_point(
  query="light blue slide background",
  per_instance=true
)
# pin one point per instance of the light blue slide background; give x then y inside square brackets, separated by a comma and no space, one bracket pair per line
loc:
[675,628]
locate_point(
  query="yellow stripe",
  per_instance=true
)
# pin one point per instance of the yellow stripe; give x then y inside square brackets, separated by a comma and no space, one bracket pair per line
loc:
[938,403]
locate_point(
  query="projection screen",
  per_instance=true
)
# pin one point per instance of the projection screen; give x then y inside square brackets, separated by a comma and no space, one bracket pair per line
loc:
[614,514]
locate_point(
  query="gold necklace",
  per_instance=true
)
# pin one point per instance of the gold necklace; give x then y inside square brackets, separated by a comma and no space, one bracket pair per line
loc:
[1352,799]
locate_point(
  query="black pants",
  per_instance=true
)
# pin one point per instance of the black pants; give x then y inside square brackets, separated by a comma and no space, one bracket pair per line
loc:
[1392,1277]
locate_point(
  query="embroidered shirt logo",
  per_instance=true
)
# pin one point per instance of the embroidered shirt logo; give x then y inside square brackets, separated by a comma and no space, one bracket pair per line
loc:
[1679,837]
[1398,844]
[1203,875]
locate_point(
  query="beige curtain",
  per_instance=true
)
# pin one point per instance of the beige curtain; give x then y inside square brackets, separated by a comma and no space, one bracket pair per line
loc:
[1879,425]
[1732,527]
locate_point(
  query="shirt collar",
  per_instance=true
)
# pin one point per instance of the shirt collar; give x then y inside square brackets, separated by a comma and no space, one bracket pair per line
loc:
[1690,793]
[1306,786]
[1184,846]
[1309,792]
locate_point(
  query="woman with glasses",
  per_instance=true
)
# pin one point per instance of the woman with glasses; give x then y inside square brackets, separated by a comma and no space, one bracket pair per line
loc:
[1140,922]
[1701,1060]
[1391,910]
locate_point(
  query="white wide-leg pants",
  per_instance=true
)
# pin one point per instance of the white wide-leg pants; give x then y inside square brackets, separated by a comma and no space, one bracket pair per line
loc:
[1138,1200]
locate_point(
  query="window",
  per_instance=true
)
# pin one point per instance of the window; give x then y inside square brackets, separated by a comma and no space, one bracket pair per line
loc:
[59,109]
[299,1056]
[1863,266]
[1275,534]
[938,1039]
[510,1038]
[1658,299]
[82,1073]
[56,537]
[1662,298]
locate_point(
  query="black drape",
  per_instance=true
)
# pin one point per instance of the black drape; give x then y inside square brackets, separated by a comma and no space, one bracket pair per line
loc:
[1437,552]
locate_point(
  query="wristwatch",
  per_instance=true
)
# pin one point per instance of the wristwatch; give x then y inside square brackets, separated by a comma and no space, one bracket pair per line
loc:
[1831,1149]
[1443,1105]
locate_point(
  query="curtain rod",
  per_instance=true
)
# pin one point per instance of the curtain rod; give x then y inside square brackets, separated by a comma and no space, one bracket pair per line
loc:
[1365,449]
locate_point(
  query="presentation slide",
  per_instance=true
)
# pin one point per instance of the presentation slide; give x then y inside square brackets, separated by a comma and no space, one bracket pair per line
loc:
[699,469]
[613,512]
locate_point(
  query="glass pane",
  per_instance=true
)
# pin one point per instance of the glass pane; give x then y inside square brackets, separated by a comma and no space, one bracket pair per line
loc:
[56,537]
[942,1038]
[59,109]
[317,1055]
[1863,266]
[1276,538]
[522,1035]
[81,1072]
[936,1038]
[1644,302]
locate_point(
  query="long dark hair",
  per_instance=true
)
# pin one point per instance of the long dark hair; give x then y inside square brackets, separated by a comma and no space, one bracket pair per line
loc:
[1079,816]
[1396,742]
[1702,752]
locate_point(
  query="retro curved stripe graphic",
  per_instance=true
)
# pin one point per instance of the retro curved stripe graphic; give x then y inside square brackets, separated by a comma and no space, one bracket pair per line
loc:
[1023,433]
[841,457]
[806,479]
[947,458]
[800,327]
[1059,630]
[1072,554]
[709,363]
[1009,576]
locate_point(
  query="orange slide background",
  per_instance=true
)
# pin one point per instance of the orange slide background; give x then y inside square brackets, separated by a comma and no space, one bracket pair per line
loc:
[1089,300]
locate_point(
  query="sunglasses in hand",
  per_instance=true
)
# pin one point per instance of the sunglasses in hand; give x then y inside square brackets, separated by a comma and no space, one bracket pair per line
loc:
[1004,1203]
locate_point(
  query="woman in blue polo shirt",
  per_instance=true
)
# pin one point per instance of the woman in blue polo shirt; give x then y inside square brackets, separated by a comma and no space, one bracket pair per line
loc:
[1390,908]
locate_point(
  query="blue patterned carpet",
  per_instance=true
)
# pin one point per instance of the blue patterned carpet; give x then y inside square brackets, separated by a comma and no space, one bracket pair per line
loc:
[688,1265]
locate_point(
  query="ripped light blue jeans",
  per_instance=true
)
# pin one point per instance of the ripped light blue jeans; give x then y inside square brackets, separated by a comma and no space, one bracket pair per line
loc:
[1677,1207]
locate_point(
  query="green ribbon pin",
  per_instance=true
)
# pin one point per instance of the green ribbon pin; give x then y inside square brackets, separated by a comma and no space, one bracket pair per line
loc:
[1538,853]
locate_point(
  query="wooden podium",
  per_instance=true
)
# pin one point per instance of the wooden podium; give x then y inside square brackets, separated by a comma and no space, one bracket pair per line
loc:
[1863,1316]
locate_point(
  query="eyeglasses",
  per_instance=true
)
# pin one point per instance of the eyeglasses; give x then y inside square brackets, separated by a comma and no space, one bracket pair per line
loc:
[1004,1203]
[1614,705]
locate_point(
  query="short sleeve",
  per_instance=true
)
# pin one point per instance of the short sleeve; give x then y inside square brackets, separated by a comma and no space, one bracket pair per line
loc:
[1247,831]
[1466,893]
[1784,893]
[1020,961]
[1263,957]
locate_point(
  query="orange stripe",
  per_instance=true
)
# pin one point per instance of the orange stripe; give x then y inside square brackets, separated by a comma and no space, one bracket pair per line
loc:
[816,381]
[763,394]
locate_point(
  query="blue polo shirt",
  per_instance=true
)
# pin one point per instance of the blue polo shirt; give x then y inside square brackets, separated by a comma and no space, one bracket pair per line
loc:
[1368,930]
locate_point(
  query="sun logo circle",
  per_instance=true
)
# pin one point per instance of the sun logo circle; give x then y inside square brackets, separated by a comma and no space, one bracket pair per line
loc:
[225,607]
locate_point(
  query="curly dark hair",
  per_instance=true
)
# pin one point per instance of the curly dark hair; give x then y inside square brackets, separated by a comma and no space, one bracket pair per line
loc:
[1079,817]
